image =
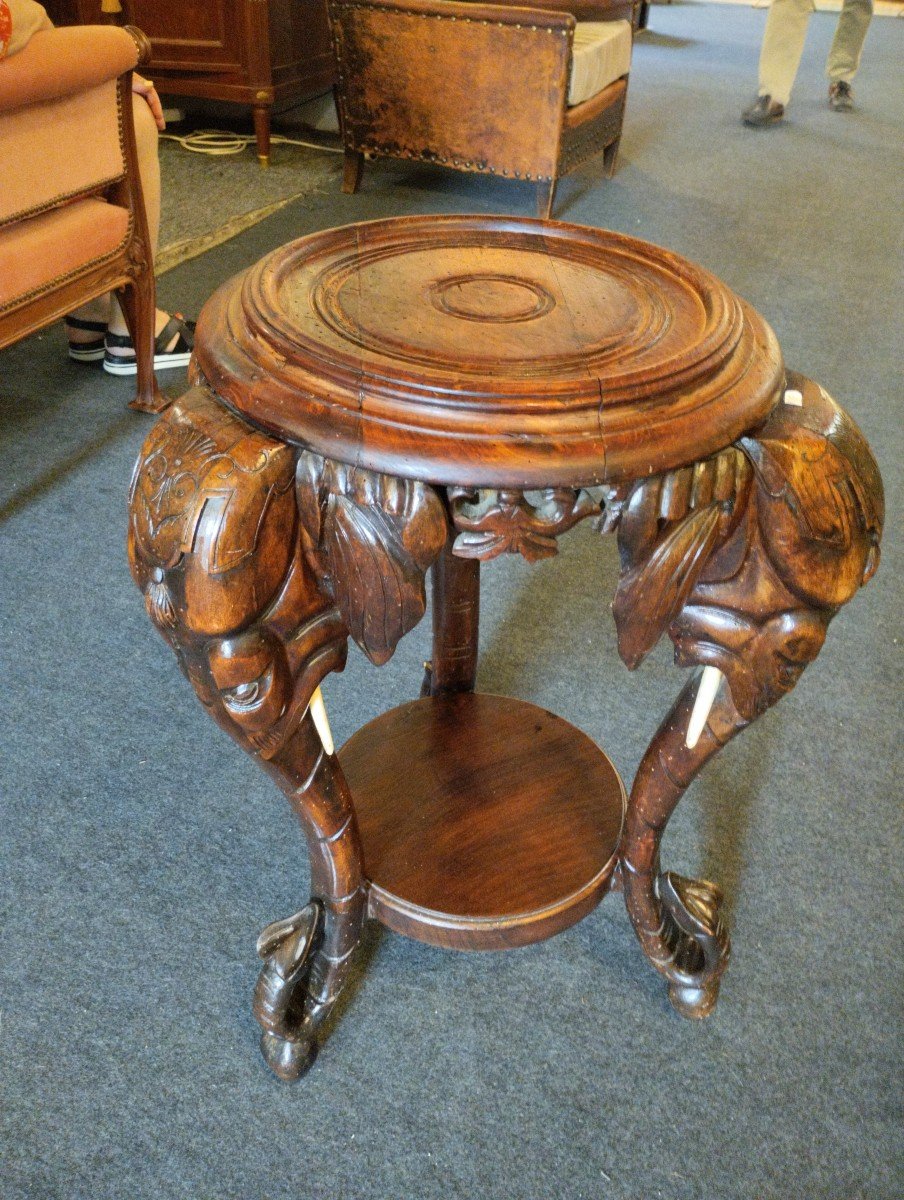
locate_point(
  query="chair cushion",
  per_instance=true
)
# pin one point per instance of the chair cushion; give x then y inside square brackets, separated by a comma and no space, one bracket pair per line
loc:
[37,253]
[602,54]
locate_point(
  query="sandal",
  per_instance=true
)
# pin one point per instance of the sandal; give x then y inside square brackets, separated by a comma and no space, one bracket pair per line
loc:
[176,356]
[92,351]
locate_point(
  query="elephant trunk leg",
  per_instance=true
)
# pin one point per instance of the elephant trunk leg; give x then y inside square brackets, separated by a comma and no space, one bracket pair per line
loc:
[292,1005]
[677,920]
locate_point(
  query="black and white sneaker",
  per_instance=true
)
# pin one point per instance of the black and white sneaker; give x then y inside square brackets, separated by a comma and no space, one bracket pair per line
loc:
[172,348]
[87,351]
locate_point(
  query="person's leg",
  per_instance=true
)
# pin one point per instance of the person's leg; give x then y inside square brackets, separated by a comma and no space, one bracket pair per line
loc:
[86,327]
[105,310]
[146,142]
[783,45]
[847,45]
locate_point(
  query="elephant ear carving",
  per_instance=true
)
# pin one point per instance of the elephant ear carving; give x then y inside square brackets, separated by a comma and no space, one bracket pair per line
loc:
[819,491]
[379,588]
[821,505]
[651,595]
[668,530]
[373,537]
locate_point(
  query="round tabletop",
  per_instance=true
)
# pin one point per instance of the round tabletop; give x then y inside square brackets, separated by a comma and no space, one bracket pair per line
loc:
[485,351]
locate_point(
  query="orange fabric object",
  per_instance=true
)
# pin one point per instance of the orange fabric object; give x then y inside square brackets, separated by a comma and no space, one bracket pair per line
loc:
[6,28]
[37,253]
[20,20]
[59,62]
[53,150]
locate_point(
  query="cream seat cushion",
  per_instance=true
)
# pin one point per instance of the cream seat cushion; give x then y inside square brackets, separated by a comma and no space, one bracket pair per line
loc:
[602,54]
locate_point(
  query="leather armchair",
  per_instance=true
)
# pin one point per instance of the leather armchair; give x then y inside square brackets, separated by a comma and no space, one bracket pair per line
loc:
[482,87]
[72,219]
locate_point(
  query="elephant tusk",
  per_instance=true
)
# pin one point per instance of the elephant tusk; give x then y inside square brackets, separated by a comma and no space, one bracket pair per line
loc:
[321,721]
[706,696]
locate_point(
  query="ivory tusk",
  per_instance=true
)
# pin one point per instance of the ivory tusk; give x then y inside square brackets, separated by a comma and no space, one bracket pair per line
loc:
[321,721]
[706,696]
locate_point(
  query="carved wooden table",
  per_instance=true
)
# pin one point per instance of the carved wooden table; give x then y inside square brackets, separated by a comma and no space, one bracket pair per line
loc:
[420,394]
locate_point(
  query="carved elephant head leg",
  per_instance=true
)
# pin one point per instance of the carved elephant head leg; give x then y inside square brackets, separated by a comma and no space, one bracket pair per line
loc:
[216,547]
[744,559]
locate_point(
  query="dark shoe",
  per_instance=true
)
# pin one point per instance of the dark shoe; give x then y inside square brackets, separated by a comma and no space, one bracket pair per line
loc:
[167,352]
[841,96]
[92,351]
[765,111]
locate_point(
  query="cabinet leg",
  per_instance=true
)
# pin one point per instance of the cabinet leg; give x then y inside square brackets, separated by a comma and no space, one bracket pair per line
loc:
[261,113]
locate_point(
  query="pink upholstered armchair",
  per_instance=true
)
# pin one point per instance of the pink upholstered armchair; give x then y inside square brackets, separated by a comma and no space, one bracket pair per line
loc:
[72,219]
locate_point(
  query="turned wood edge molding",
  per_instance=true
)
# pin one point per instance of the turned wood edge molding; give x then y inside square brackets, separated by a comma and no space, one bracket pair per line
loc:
[451,931]
[142,43]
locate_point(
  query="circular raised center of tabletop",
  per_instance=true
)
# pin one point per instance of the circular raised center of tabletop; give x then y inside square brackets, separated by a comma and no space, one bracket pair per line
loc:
[522,309]
[494,298]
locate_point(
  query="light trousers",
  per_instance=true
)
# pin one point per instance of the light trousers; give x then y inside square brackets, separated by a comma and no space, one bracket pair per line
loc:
[783,44]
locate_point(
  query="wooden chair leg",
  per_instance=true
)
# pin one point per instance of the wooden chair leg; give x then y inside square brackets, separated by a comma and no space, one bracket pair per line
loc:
[351,174]
[139,307]
[610,155]
[546,192]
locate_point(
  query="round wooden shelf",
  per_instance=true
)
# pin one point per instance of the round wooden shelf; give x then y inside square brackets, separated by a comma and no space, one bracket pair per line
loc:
[486,822]
[495,352]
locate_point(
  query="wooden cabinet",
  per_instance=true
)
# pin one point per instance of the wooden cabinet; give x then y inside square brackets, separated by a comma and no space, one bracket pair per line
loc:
[262,53]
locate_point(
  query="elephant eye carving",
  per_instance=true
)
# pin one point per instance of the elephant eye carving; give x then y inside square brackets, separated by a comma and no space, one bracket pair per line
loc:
[247,696]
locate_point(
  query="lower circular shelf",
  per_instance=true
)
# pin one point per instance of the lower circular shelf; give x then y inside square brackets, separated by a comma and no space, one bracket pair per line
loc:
[486,822]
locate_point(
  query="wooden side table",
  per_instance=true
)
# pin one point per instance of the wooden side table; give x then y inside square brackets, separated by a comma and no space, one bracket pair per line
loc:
[427,393]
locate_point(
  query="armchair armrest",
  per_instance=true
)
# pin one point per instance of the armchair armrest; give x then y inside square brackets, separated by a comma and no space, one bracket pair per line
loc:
[62,62]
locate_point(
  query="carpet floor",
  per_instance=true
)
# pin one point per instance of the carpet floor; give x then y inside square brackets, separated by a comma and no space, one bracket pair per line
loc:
[141,852]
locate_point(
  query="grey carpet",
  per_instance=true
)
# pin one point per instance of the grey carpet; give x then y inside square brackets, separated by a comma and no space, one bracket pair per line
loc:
[203,193]
[142,852]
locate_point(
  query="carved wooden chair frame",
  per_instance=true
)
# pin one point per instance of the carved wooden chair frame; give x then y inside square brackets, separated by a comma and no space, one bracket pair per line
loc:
[127,270]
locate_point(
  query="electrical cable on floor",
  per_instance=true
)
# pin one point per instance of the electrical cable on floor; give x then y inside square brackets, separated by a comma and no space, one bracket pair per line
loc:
[221,141]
